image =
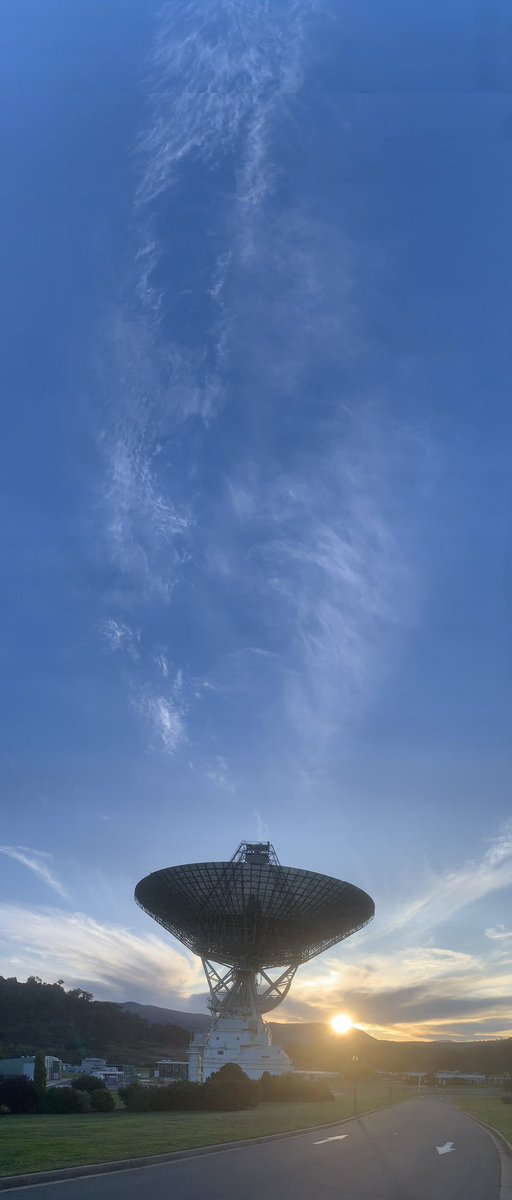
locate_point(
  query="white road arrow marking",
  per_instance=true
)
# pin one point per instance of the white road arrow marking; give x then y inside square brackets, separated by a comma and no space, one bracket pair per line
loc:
[337,1138]
[446,1148]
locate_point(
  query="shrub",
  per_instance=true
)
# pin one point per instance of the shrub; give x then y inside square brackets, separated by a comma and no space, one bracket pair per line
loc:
[87,1083]
[182,1095]
[18,1094]
[225,1095]
[218,1095]
[230,1071]
[136,1098]
[66,1100]
[102,1101]
[292,1088]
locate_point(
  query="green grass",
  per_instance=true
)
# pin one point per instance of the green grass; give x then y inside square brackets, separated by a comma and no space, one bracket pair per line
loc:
[486,1104]
[41,1143]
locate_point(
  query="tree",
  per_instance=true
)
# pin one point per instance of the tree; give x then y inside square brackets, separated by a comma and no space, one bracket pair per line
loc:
[102,1100]
[136,1098]
[18,1094]
[40,1078]
[225,1095]
[72,1026]
[230,1071]
[66,1100]
[79,994]
[88,1083]
[292,1088]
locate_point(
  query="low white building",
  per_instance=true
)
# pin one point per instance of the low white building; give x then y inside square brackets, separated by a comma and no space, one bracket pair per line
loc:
[236,1040]
[444,1077]
[113,1074]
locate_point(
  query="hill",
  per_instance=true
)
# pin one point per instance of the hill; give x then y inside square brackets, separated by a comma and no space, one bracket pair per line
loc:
[72,1025]
[314,1044]
[167,1016]
[43,1016]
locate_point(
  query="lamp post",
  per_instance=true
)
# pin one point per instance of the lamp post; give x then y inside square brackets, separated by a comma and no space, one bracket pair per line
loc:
[355,1061]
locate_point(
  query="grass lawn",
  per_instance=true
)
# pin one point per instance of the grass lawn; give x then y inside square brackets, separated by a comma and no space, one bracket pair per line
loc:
[44,1142]
[486,1104]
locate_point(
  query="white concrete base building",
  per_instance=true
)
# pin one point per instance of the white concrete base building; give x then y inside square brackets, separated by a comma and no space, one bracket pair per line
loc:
[236,1039]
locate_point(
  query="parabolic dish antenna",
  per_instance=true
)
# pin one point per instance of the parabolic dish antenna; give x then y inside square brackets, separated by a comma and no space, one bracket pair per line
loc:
[252,915]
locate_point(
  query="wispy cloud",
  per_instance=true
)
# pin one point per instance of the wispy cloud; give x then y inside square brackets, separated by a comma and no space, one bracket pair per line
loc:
[164,719]
[37,861]
[409,991]
[321,542]
[219,773]
[119,636]
[215,75]
[322,556]
[262,829]
[113,961]
[453,890]
[414,992]
[498,933]
[397,980]
[143,524]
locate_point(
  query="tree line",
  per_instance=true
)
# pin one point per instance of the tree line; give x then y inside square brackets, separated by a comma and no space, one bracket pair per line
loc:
[228,1089]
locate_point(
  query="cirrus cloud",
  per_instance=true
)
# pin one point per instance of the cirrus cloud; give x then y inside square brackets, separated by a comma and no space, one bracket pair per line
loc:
[37,861]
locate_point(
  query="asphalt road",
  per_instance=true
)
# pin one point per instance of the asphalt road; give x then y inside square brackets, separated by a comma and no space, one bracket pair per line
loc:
[388,1155]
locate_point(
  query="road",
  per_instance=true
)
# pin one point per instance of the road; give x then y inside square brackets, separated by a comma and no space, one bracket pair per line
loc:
[387,1155]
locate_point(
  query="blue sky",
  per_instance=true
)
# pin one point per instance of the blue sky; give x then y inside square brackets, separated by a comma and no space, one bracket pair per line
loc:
[256,485]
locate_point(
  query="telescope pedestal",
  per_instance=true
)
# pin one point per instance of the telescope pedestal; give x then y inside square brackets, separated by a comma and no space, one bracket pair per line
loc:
[238,1034]
[243,1040]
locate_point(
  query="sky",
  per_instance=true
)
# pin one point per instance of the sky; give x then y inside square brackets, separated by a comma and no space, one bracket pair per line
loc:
[256,533]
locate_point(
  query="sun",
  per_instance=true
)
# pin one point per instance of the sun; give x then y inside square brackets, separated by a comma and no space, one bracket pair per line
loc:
[342,1023]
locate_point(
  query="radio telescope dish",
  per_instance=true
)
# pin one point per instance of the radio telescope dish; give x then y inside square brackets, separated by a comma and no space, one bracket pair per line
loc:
[252,915]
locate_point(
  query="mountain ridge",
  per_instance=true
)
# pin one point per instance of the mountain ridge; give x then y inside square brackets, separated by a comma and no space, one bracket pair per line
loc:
[315,1045]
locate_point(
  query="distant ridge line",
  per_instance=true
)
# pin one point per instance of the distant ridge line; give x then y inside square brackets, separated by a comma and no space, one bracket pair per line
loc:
[167,1016]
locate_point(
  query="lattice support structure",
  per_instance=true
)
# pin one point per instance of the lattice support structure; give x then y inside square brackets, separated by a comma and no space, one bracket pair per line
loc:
[245,992]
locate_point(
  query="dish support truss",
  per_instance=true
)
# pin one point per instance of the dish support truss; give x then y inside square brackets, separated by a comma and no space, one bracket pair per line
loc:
[245,992]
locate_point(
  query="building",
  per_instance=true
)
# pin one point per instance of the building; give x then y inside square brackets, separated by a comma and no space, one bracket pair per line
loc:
[235,1040]
[453,1077]
[113,1074]
[10,1067]
[168,1070]
[90,1066]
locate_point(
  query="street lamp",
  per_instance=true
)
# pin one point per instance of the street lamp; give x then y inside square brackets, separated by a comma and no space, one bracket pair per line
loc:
[355,1061]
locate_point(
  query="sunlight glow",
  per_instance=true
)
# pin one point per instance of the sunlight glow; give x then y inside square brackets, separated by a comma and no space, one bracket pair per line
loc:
[341,1023]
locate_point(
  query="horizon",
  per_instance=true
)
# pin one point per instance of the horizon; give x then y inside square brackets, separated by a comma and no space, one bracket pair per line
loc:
[326,1024]
[256,474]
